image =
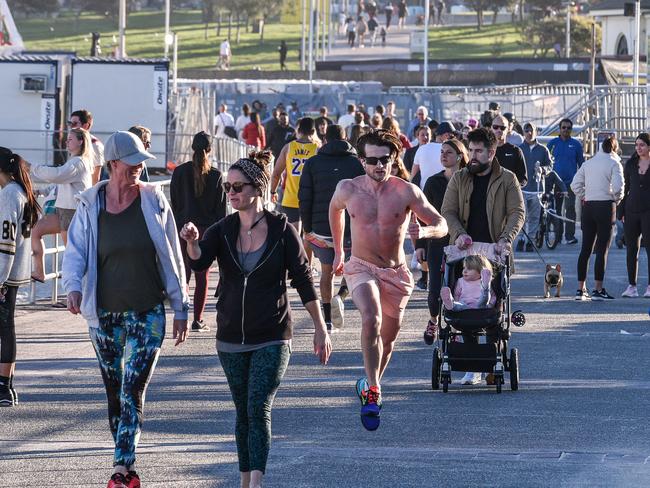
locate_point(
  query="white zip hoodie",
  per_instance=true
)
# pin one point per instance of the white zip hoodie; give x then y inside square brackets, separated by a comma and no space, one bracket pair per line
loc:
[80,260]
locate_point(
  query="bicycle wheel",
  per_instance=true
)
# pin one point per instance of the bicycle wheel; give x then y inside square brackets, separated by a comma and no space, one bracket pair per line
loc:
[553,231]
[539,235]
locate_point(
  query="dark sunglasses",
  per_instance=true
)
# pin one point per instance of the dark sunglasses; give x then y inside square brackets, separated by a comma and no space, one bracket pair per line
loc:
[499,127]
[384,160]
[528,130]
[237,186]
[566,127]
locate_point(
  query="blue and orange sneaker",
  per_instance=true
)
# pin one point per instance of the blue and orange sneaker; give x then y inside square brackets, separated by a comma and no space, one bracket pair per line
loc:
[362,384]
[370,407]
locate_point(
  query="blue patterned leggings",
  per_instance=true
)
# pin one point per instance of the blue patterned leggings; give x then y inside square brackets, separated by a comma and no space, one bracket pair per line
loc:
[127,346]
[254,378]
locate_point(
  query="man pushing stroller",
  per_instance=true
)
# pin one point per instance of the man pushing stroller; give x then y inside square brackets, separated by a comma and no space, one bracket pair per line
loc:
[483,203]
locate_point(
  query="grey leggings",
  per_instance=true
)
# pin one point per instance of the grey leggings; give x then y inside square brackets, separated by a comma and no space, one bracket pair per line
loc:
[254,378]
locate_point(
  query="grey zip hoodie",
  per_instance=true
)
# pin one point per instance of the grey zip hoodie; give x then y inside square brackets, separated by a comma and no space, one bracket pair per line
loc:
[80,258]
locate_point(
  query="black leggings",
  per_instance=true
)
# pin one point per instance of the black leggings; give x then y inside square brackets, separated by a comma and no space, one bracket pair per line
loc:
[636,224]
[598,219]
[8,326]
[435,251]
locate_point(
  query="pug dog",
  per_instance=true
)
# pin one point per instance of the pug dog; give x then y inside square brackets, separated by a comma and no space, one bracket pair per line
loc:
[553,279]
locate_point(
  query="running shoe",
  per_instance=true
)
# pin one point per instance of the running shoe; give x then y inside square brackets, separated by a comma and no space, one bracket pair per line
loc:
[572,240]
[314,272]
[14,394]
[338,312]
[329,327]
[370,407]
[630,292]
[582,295]
[362,384]
[6,398]
[471,378]
[599,296]
[118,481]
[430,333]
[647,292]
[200,326]
[133,479]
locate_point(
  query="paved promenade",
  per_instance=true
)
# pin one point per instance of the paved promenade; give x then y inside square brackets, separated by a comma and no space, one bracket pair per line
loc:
[580,417]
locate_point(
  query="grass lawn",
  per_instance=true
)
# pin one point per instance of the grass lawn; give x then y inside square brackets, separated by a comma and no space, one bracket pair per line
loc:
[467,42]
[145,35]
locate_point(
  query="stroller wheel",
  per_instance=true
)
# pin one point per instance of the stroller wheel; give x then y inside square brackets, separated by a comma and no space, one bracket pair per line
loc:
[514,369]
[435,369]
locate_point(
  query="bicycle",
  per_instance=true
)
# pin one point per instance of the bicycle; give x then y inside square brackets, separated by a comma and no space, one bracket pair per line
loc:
[550,228]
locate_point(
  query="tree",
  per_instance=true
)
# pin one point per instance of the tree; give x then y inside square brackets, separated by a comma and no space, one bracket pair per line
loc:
[30,7]
[542,35]
[479,6]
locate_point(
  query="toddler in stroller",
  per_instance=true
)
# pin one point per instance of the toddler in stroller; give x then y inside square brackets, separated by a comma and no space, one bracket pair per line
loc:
[480,279]
[472,290]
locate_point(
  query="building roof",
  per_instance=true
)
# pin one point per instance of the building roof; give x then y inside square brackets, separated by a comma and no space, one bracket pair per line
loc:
[27,58]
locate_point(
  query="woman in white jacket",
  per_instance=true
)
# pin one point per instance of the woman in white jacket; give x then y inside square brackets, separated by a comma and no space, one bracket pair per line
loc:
[599,185]
[123,259]
[18,213]
[72,178]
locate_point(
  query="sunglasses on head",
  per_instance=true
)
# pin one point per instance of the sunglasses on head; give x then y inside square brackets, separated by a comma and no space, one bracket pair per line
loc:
[237,186]
[384,160]
[499,127]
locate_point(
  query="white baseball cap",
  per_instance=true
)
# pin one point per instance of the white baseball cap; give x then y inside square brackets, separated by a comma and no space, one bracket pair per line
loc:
[126,147]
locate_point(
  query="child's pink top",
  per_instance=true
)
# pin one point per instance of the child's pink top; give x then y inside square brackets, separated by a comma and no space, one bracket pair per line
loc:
[469,293]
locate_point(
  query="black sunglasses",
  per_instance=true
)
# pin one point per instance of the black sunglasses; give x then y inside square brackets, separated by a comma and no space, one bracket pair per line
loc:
[237,186]
[566,127]
[384,160]
[499,127]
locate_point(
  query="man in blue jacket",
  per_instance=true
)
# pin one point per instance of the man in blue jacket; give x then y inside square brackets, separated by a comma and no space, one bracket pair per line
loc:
[568,156]
[538,165]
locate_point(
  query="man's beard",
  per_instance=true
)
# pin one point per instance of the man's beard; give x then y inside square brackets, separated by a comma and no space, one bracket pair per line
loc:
[476,167]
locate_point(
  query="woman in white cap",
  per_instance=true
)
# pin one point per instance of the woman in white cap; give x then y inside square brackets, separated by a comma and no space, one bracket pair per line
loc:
[123,258]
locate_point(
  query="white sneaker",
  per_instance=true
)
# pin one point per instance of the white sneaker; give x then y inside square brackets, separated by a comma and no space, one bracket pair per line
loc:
[647,292]
[338,312]
[631,292]
[471,379]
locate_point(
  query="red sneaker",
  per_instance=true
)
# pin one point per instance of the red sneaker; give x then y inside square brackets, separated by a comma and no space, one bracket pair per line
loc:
[118,481]
[133,479]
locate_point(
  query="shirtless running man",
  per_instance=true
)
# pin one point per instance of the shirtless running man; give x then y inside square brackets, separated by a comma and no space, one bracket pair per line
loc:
[381,284]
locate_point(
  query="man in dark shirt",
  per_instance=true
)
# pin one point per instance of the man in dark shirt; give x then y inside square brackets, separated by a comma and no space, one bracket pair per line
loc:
[483,203]
[281,135]
[510,157]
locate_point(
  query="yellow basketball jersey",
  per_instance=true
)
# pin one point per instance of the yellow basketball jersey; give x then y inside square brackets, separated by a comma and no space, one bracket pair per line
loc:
[298,153]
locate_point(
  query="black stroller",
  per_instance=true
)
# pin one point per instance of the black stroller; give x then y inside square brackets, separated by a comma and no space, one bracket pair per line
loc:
[491,357]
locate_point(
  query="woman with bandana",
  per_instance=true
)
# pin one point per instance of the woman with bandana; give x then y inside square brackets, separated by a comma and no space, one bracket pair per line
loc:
[255,249]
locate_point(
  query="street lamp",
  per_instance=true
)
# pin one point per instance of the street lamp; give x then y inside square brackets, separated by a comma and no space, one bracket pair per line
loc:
[567,50]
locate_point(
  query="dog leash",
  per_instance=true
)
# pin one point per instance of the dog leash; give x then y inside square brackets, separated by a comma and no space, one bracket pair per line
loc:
[534,246]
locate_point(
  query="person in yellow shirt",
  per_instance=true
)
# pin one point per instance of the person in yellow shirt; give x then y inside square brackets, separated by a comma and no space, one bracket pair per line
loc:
[290,162]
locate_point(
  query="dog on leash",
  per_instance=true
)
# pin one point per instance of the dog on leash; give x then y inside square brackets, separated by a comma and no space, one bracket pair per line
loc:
[553,279]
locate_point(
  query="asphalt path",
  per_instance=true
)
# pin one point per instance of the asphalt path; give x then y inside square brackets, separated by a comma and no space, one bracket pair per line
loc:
[579,418]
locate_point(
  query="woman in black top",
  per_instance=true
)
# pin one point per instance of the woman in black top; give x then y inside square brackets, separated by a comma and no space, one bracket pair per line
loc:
[453,157]
[635,210]
[197,196]
[255,249]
